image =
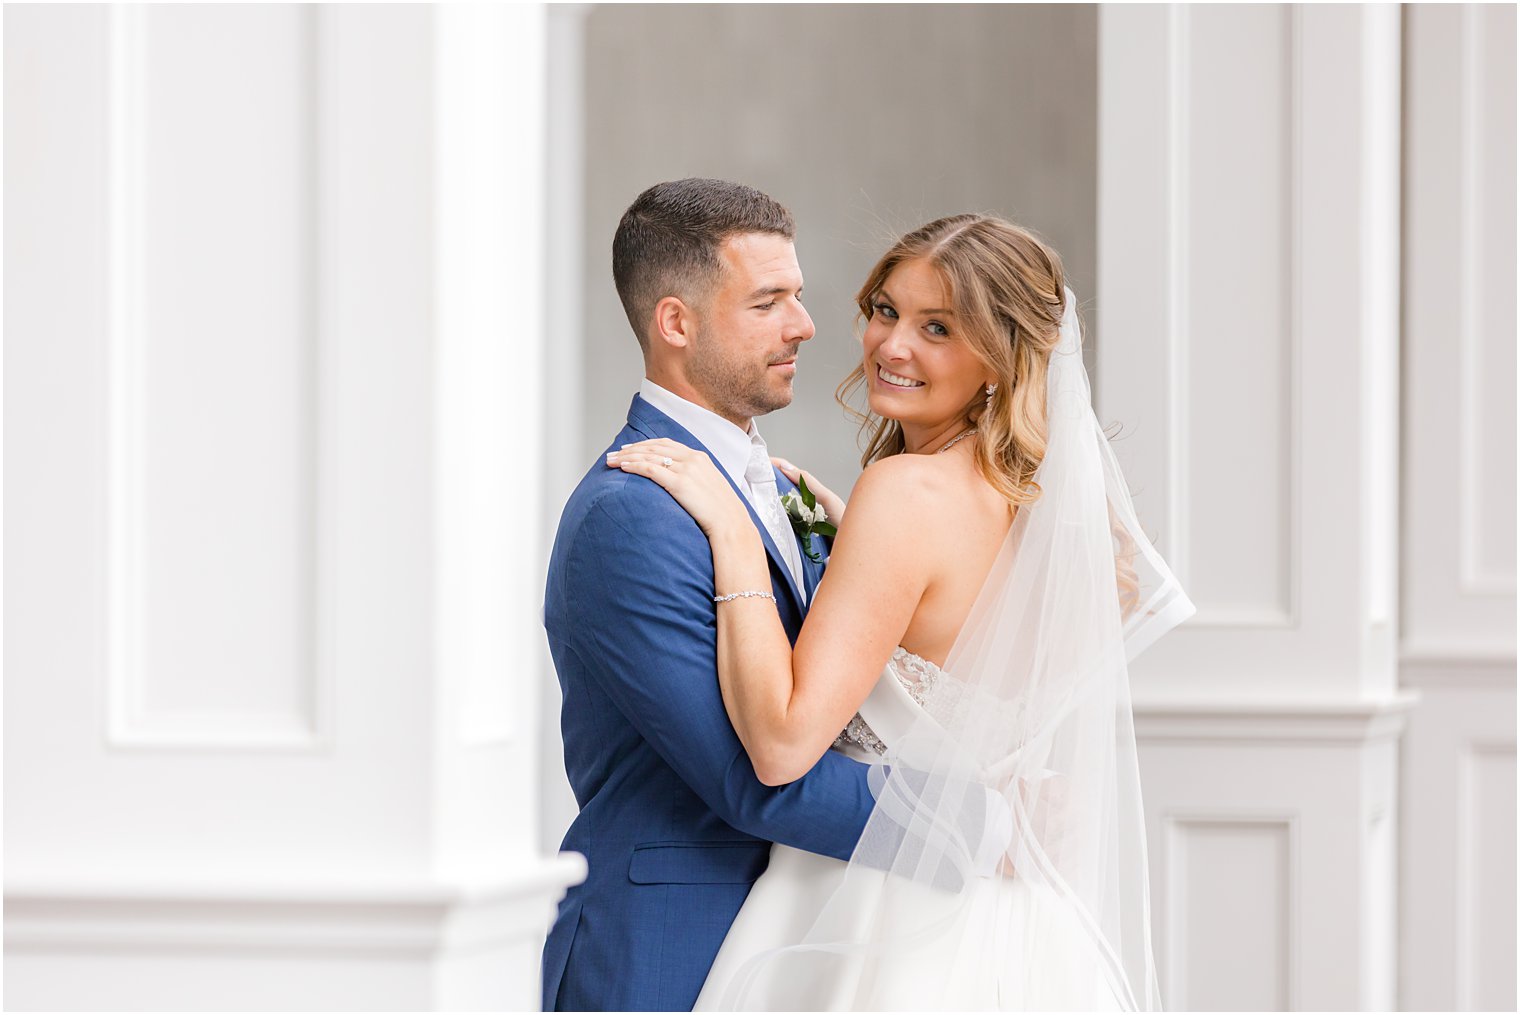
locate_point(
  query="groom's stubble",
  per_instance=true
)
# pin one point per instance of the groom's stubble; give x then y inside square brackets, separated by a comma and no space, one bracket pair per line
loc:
[737,385]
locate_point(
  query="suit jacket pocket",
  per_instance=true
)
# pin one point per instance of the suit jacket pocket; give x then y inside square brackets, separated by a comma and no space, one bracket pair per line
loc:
[698,863]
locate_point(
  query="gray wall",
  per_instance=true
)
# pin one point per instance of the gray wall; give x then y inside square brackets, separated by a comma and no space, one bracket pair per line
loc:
[866,121]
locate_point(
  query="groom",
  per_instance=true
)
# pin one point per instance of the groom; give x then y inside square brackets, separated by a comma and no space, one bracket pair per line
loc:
[673,822]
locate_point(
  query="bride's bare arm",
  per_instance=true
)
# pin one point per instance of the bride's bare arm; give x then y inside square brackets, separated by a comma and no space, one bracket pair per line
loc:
[787,706]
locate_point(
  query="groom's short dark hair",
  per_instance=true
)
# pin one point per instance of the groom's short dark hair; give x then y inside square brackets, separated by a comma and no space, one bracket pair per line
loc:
[667,242]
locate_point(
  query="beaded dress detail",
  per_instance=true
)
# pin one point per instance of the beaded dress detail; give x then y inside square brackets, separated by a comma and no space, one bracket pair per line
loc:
[916,674]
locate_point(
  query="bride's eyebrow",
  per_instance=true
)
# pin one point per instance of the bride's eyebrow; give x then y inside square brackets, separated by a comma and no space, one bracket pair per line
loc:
[882,294]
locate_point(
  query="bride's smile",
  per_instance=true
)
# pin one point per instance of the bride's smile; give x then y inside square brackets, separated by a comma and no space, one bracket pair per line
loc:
[896,380]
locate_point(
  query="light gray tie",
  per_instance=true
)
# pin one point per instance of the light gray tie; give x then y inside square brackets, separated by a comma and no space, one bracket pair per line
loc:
[762,484]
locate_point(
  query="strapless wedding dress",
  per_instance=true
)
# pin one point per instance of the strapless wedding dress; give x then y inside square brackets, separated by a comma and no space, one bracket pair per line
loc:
[1019,947]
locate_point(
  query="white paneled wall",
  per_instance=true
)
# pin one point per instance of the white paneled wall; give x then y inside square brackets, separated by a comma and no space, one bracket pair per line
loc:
[270,723]
[1272,835]
[177,406]
[194,658]
[1249,221]
[1248,279]
[1253,861]
[1459,330]
[1458,649]
[272,713]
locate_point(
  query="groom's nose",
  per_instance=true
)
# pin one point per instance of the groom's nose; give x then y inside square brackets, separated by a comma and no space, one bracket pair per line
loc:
[800,327]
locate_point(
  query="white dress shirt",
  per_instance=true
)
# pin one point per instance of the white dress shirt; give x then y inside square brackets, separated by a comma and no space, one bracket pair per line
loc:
[731,448]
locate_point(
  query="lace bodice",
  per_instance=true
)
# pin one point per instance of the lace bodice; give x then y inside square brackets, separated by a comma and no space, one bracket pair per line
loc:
[918,677]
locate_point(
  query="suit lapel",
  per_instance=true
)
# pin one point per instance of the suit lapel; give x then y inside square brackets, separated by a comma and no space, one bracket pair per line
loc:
[651,422]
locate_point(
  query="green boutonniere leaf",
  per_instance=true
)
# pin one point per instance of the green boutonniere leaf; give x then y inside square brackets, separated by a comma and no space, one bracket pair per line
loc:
[807,495]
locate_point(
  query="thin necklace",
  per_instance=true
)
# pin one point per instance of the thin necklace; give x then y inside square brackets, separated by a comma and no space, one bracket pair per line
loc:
[958,437]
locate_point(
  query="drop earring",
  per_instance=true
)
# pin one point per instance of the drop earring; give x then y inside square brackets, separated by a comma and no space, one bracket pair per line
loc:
[991,390]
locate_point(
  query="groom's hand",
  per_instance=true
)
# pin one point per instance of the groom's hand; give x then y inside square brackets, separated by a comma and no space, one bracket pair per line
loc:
[831,502]
[1043,801]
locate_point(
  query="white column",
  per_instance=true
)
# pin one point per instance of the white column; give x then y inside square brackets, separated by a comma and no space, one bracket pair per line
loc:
[1248,270]
[564,380]
[274,340]
[1457,891]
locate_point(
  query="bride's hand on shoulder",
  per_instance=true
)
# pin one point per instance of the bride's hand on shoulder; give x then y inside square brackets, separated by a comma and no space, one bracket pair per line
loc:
[831,502]
[690,477]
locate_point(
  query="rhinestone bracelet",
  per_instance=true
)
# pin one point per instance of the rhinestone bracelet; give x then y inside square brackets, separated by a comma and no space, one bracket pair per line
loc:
[744,595]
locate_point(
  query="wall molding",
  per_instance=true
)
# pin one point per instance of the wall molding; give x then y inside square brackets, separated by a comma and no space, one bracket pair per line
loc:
[1469,756]
[1472,579]
[1458,422]
[1294,298]
[1175,825]
[417,918]
[124,663]
[1460,666]
[1291,721]
[130,723]
[1284,613]
[1179,119]
[484,228]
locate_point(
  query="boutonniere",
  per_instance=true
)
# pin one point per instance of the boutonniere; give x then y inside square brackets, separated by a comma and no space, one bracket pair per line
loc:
[807,517]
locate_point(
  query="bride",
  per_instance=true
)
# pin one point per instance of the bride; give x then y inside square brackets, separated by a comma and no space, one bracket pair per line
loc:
[987,586]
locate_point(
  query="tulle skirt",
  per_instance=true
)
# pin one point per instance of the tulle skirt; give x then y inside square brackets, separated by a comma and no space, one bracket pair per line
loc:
[1011,946]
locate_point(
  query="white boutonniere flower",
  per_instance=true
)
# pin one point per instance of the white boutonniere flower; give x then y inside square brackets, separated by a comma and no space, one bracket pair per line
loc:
[807,517]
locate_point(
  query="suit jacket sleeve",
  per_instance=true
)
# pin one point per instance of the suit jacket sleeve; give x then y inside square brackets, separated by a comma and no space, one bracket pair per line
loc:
[644,625]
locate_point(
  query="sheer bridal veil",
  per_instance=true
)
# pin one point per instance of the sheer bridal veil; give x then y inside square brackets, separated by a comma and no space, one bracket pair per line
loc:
[1031,719]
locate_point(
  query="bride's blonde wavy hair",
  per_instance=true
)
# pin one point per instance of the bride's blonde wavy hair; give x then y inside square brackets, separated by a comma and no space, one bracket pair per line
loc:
[1007,289]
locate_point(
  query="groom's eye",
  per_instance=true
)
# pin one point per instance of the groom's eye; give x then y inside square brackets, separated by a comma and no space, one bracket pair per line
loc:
[766,306]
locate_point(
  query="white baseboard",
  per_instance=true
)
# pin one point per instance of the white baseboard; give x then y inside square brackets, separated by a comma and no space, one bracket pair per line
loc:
[232,945]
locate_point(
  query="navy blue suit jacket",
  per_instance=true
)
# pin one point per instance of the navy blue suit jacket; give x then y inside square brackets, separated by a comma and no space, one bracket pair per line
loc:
[673,823]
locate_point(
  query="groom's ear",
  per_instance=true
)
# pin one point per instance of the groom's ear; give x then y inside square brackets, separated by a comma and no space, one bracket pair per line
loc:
[674,323]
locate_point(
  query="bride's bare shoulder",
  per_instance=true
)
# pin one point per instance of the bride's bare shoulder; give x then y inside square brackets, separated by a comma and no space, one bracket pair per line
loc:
[916,476]
[901,480]
[910,487]
[910,469]
[939,489]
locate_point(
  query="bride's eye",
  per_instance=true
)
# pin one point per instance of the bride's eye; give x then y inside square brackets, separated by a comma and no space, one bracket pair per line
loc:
[885,310]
